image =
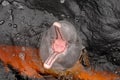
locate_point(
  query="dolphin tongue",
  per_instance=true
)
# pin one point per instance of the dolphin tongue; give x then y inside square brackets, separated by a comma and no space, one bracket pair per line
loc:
[50,60]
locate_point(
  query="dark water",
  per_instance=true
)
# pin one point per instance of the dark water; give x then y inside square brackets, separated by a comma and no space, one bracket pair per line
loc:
[22,22]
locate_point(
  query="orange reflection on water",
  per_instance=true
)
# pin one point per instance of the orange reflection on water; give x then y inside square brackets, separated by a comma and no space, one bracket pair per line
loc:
[98,75]
[25,59]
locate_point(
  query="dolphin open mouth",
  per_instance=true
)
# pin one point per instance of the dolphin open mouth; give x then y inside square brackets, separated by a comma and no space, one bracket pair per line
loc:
[59,45]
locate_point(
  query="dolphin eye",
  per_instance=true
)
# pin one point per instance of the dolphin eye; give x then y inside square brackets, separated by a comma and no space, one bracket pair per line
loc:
[52,39]
[69,41]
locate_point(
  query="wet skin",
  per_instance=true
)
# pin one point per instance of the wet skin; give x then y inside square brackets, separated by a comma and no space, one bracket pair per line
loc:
[59,45]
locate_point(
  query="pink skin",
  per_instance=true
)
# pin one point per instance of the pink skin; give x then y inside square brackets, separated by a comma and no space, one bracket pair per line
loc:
[59,46]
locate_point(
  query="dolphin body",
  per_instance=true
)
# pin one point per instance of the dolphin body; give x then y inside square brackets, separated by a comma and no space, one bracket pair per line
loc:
[65,53]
